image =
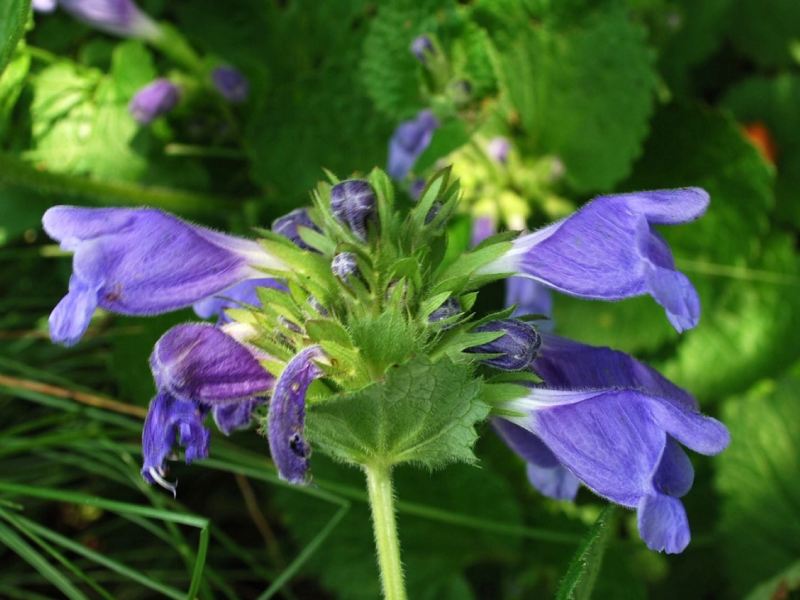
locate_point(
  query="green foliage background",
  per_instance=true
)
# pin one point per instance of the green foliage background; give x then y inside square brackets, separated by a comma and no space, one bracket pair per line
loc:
[626,94]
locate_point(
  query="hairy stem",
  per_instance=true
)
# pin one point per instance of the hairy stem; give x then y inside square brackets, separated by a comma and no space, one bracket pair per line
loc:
[381,501]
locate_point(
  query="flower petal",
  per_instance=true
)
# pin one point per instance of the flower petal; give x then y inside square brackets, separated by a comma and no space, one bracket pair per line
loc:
[71,316]
[608,251]
[200,363]
[234,415]
[675,473]
[663,524]
[240,295]
[287,412]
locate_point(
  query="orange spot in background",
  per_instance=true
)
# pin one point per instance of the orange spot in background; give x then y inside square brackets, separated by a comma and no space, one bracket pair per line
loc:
[758,135]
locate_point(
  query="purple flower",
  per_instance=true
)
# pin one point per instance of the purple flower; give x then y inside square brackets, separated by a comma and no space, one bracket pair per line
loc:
[153,100]
[617,426]
[353,203]
[141,261]
[609,250]
[344,265]
[287,413]
[242,294]
[231,84]
[118,17]
[409,141]
[498,149]
[483,227]
[422,47]
[516,348]
[449,308]
[197,369]
[287,226]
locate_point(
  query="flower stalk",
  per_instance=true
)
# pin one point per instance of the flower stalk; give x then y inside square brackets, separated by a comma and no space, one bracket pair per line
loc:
[384,525]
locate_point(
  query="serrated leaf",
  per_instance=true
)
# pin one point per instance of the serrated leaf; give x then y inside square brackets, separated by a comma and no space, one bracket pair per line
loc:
[758,480]
[421,413]
[584,568]
[548,69]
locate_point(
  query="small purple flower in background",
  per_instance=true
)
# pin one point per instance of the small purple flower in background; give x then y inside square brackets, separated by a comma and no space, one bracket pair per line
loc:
[608,250]
[353,203]
[483,226]
[118,17]
[43,6]
[153,100]
[231,84]
[240,295]
[141,261]
[498,149]
[287,226]
[409,141]
[344,265]
[617,426]
[422,47]
[530,298]
[516,348]
[197,369]
[287,413]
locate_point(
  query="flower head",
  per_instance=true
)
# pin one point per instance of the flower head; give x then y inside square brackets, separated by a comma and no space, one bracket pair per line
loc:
[231,84]
[609,250]
[353,203]
[153,100]
[197,369]
[409,141]
[118,17]
[344,265]
[141,261]
[617,426]
[498,149]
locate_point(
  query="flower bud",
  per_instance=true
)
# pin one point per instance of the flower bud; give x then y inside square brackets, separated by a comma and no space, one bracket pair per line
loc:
[422,47]
[287,226]
[449,308]
[153,100]
[498,149]
[231,84]
[353,203]
[409,141]
[517,347]
[344,265]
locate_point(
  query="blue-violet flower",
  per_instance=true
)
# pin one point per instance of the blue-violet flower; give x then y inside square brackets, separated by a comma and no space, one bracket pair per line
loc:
[353,203]
[153,100]
[409,141]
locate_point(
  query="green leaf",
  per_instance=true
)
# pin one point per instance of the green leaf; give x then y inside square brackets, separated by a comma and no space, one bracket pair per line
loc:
[764,30]
[13,17]
[777,587]
[11,85]
[581,575]
[584,92]
[422,413]
[757,478]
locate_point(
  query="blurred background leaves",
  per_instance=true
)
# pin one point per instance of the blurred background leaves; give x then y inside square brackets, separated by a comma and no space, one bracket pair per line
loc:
[594,97]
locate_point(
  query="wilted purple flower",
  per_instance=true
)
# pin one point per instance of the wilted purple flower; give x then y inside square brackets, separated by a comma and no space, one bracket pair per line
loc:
[287,413]
[287,226]
[153,100]
[609,250]
[197,369]
[498,149]
[344,265]
[142,261]
[43,6]
[516,348]
[617,426]
[242,294]
[483,227]
[231,84]
[421,47]
[118,17]
[408,141]
[353,203]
